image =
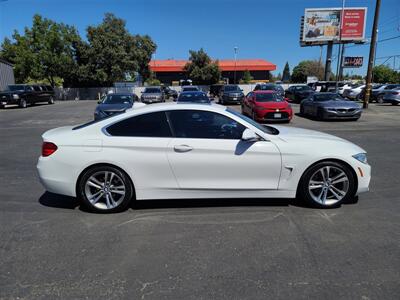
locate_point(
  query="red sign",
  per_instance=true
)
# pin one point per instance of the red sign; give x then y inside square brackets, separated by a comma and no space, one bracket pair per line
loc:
[353,24]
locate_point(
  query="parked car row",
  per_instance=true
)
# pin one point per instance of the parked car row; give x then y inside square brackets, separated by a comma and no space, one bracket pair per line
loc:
[26,94]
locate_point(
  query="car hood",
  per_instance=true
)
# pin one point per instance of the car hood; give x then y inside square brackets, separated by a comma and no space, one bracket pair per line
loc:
[312,138]
[114,107]
[273,105]
[342,104]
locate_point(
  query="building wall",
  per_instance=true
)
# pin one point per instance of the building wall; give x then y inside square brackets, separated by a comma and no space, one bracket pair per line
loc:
[6,75]
[168,77]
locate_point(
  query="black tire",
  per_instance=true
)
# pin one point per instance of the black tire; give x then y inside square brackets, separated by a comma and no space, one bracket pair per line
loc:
[51,100]
[22,103]
[305,194]
[126,198]
[395,103]
[320,115]
[379,99]
[302,110]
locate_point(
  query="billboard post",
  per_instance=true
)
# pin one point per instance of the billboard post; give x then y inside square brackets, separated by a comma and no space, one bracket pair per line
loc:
[328,61]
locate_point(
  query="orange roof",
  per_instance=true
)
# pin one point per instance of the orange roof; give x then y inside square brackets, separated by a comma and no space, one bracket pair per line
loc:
[172,65]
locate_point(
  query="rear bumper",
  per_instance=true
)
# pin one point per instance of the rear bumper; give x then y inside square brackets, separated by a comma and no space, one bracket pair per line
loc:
[230,99]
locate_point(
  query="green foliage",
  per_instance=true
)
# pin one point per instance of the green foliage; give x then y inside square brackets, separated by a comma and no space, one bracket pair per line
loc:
[201,69]
[384,74]
[152,80]
[247,78]
[43,52]
[308,68]
[51,50]
[286,73]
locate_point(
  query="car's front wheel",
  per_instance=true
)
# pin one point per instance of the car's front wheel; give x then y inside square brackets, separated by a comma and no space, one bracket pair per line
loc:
[51,100]
[379,99]
[327,184]
[22,103]
[105,189]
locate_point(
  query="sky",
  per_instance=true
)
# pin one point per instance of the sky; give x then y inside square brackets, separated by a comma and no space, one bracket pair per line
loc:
[267,29]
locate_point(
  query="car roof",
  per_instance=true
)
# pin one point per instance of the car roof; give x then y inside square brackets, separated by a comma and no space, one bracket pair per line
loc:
[264,92]
[172,106]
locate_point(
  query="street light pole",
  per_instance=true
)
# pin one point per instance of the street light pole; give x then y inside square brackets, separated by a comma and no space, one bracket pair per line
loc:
[372,54]
[339,57]
[235,49]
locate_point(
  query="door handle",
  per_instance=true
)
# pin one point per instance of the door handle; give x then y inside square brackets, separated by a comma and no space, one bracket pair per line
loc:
[182,148]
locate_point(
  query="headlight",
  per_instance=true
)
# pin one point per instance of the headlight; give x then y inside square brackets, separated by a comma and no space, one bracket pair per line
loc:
[361,157]
[15,96]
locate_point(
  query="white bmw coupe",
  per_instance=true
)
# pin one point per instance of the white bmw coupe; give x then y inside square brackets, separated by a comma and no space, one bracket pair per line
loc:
[171,151]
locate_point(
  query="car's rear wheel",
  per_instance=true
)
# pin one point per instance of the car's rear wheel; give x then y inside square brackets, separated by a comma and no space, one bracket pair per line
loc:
[327,184]
[22,103]
[302,110]
[105,189]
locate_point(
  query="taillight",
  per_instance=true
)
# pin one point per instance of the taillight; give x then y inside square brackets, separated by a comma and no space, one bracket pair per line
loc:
[48,148]
[395,93]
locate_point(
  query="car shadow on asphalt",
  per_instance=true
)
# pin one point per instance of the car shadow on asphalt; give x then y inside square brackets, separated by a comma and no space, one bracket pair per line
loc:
[65,202]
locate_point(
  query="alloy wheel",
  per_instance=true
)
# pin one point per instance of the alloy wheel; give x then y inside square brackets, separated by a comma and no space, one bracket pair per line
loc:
[328,185]
[105,190]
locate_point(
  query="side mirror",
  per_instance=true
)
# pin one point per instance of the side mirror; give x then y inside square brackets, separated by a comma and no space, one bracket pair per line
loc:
[249,136]
[99,102]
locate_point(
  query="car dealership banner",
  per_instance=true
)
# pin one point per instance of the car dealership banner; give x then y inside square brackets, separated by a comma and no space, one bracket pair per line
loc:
[323,24]
[353,61]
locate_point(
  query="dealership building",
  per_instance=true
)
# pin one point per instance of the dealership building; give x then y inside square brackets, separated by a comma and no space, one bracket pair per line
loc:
[171,71]
[6,74]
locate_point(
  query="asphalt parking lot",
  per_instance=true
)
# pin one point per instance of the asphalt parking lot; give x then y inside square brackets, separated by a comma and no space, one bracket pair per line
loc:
[208,249]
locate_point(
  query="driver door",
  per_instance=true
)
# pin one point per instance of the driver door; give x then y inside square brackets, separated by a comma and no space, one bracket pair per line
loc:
[207,153]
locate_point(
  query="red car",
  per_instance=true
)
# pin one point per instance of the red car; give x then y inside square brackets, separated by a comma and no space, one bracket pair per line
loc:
[265,105]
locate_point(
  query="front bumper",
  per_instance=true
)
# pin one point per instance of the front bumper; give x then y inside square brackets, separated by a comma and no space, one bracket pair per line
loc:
[363,172]
[273,116]
[232,99]
[353,115]
[151,100]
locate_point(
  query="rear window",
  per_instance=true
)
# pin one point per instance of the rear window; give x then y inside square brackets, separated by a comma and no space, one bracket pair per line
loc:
[152,90]
[146,125]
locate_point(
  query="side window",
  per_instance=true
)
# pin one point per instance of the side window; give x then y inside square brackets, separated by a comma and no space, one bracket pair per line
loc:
[146,125]
[204,125]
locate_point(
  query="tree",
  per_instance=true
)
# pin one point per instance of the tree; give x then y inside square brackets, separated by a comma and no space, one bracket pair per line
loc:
[111,53]
[201,69]
[44,52]
[384,74]
[307,68]
[286,73]
[152,80]
[247,78]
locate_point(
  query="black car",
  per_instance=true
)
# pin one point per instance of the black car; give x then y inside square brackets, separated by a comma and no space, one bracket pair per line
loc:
[215,89]
[231,93]
[113,104]
[169,93]
[297,93]
[193,97]
[270,87]
[24,94]
[330,106]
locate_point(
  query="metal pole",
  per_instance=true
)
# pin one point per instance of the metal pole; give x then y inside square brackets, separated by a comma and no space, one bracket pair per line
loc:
[339,56]
[234,72]
[371,54]
[328,61]
[341,63]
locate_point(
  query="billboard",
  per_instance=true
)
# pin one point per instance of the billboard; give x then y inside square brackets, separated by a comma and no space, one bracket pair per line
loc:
[322,25]
[353,61]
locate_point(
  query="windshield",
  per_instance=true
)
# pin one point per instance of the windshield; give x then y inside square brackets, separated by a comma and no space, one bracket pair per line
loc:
[118,99]
[190,89]
[270,97]
[302,88]
[264,128]
[230,88]
[328,97]
[16,88]
[193,97]
[152,90]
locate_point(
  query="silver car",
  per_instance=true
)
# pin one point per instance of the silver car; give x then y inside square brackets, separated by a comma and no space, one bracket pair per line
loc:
[152,94]
[392,96]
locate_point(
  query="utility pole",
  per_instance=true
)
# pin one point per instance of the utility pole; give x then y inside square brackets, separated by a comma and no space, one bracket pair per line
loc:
[372,54]
[235,49]
[340,48]
[328,61]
